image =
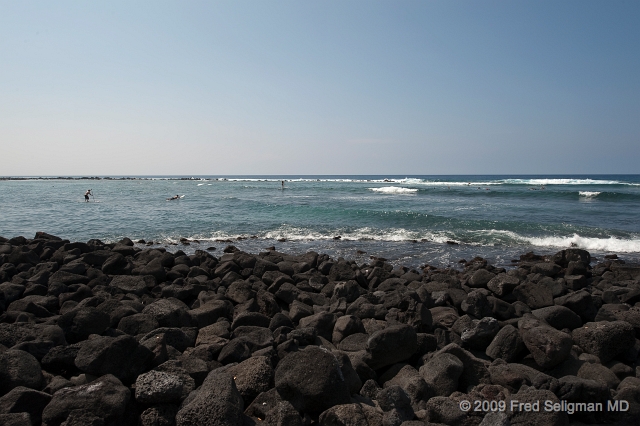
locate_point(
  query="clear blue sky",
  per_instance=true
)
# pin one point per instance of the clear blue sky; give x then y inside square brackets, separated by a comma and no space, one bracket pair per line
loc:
[324,87]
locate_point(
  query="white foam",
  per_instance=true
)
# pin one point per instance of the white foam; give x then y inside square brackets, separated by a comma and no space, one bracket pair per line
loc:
[561,182]
[428,182]
[394,190]
[611,244]
[589,194]
[414,181]
[481,237]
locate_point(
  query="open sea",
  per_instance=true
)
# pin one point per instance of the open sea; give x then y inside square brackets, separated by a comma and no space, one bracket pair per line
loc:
[409,220]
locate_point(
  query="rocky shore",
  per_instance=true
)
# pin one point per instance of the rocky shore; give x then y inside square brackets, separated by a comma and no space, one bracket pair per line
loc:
[119,334]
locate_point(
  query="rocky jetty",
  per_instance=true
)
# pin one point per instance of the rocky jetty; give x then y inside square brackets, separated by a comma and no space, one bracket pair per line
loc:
[116,334]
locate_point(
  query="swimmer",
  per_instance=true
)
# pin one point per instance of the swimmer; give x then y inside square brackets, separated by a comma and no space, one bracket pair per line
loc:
[173,198]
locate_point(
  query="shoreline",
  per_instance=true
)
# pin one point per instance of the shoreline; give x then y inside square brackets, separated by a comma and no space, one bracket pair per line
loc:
[170,334]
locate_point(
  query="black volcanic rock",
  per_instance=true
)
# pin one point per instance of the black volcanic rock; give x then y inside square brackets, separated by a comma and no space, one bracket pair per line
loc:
[311,390]
[306,339]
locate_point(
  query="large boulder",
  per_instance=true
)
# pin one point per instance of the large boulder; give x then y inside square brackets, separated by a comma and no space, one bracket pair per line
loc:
[19,368]
[604,339]
[252,376]
[558,317]
[217,402]
[121,356]
[534,295]
[442,372]
[311,390]
[506,345]
[548,346]
[169,312]
[21,400]
[157,387]
[78,324]
[105,398]
[137,285]
[350,415]
[391,345]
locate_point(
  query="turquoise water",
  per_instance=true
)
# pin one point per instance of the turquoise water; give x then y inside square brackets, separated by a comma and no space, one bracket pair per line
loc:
[405,219]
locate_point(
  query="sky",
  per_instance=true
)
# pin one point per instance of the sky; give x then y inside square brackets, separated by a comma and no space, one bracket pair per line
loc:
[319,87]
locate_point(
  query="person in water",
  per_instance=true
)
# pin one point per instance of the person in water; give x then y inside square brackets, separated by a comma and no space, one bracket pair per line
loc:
[173,198]
[282,184]
[86,195]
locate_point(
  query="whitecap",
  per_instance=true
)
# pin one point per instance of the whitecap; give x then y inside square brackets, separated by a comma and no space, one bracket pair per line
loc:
[566,181]
[394,190]
[611,244]
[589,194]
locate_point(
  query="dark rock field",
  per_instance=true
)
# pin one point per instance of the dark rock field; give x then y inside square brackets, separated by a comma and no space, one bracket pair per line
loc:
[121,334]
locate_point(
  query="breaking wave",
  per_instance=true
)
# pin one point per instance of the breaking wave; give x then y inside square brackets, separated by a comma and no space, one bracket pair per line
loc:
[589,194]
[395,190]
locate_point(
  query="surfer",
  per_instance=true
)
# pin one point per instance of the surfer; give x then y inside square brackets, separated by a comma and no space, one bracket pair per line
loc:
[177,197]
[282,184]
[86,195]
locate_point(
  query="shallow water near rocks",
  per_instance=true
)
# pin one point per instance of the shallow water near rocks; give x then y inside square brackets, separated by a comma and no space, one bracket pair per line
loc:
[406,219]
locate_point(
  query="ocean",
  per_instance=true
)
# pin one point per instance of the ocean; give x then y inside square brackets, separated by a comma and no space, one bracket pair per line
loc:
[409,220]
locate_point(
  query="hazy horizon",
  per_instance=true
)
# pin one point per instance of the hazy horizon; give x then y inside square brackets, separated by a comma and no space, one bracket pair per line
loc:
[332,88]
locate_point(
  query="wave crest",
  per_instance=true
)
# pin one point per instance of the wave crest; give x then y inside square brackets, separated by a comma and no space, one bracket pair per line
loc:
[589,194]
[394,190]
